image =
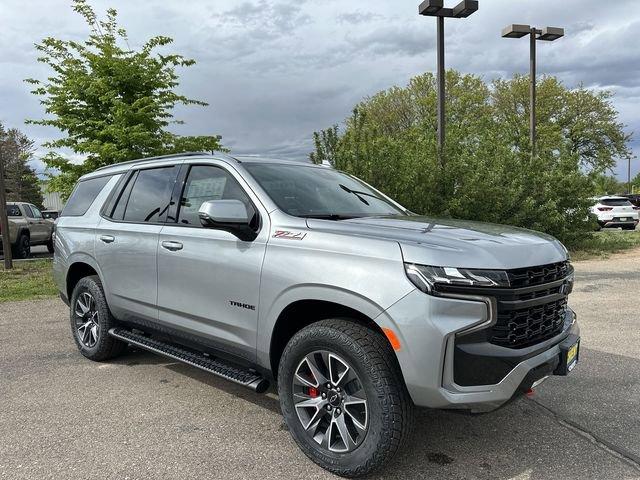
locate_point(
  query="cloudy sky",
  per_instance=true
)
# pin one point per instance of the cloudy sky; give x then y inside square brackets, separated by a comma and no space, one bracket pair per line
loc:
[274,71]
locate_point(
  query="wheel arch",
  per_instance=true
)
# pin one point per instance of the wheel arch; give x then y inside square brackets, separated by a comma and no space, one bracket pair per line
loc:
[301,312]
[79,269]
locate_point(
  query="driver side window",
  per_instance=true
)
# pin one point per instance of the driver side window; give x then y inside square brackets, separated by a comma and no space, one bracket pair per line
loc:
[204,183]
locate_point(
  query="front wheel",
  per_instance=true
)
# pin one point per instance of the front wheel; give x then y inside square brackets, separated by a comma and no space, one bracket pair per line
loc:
[628,227]
[343,397]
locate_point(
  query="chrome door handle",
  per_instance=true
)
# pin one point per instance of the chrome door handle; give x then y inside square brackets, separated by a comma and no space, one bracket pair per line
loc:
[172,246]
[107,238]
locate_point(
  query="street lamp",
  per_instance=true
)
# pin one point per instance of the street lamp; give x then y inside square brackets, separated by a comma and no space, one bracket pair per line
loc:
[548,34]
[435,8]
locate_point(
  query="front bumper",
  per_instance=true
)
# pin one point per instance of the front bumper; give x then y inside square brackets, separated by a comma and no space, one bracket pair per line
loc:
[431,357]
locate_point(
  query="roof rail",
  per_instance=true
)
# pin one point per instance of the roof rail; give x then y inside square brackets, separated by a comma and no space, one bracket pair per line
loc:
[161,157]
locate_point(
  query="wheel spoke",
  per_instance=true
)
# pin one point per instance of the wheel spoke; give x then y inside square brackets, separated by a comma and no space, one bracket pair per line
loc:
[337,369]
[84,308]
[357,411]
[303,408]
[94,334]
[339,427]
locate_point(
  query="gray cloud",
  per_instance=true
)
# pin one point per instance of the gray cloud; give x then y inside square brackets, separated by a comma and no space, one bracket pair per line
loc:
[274,71]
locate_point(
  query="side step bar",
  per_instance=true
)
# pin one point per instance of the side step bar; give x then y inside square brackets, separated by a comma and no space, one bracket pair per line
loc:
[246,378]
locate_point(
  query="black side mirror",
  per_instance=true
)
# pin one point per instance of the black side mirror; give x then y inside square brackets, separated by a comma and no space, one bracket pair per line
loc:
[227,215]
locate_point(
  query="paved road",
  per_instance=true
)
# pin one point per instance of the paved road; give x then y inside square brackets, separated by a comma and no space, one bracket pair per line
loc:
[143,417]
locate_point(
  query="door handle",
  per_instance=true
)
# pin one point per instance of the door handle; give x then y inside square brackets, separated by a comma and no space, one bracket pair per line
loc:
[172,246]
[107,238]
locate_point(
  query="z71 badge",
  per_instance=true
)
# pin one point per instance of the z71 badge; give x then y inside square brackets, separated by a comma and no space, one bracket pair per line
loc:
[287,235]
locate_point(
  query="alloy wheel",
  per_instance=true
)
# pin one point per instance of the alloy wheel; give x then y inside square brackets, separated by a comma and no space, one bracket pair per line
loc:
[87,324]
[330,401]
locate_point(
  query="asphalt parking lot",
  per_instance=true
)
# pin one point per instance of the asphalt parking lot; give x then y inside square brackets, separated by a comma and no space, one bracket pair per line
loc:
[39,251]
[143,417]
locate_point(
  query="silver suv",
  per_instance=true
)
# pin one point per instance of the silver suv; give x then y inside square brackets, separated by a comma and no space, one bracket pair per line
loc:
[262,270]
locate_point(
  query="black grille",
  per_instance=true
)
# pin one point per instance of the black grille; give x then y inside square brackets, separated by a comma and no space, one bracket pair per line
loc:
[526,277]
[524,327]
[532,309]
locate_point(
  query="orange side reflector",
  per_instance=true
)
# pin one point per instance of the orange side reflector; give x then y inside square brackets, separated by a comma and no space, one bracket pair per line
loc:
[393,339]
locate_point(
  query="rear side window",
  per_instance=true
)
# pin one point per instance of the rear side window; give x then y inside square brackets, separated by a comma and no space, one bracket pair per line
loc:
[615,202]
[13,211]
[150,195]
[83,196]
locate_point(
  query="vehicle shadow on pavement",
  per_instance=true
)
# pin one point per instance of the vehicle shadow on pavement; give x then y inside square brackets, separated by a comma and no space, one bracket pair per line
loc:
[268,401]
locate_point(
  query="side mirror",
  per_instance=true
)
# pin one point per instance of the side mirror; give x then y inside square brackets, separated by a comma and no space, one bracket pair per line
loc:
[227,215]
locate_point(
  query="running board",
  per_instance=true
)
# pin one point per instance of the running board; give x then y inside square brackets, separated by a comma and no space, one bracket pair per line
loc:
[246,378]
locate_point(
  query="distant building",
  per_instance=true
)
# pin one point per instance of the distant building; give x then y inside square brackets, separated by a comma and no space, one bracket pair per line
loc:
[51,200]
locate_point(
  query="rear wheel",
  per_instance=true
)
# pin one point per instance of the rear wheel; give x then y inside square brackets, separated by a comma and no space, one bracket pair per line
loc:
[22,248]
[50,246]
[343,397]
[91,321]
[628,227]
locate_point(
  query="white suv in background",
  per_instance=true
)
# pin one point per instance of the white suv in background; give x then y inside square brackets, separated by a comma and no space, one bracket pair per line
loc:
[613,211]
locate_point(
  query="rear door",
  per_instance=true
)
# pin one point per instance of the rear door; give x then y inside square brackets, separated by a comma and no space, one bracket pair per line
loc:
[127,241]
[209,280]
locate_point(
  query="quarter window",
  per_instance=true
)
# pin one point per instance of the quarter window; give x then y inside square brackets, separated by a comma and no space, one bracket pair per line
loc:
[83,196]
[206,183]
[150,196]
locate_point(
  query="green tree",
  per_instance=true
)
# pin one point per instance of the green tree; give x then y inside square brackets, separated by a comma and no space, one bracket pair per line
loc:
[111,102]
[488,173]
[608,185]
[21,181]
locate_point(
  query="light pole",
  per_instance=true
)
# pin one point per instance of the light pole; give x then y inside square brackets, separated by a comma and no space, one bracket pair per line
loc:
[547,34]
[435,8]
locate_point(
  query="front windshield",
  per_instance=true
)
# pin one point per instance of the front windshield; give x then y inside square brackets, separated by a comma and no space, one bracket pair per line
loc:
[316,192]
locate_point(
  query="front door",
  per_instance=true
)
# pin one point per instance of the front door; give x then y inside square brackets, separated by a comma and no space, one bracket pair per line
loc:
[36,227]
[209,280]
[126,243]
[40,226]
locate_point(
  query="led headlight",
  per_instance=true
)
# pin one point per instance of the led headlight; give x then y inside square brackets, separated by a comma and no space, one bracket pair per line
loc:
[426,278]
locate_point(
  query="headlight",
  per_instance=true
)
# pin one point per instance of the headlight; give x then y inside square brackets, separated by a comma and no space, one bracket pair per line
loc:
[426,277]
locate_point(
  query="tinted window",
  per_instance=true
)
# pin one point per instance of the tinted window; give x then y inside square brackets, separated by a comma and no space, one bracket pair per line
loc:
[28,211]
[150,195]
[83,196]
[13,211]
[616,202]
[51,215]
[208,183]
[319,192]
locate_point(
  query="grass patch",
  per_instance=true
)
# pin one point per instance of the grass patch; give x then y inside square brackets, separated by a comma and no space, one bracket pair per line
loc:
[27,280]
[604,243]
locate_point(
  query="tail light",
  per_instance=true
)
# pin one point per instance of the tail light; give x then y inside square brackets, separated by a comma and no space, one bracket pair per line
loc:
[636,208]
[605,209]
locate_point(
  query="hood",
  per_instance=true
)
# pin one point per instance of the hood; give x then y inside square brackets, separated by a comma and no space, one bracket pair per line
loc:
[454,243]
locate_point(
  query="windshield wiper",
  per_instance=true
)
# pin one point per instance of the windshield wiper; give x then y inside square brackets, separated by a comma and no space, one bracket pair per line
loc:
[359,193]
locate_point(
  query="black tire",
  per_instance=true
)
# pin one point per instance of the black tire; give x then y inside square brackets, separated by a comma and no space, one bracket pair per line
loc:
[22,248]
[389,407]
[628,227]
[50,245]
[105,346]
